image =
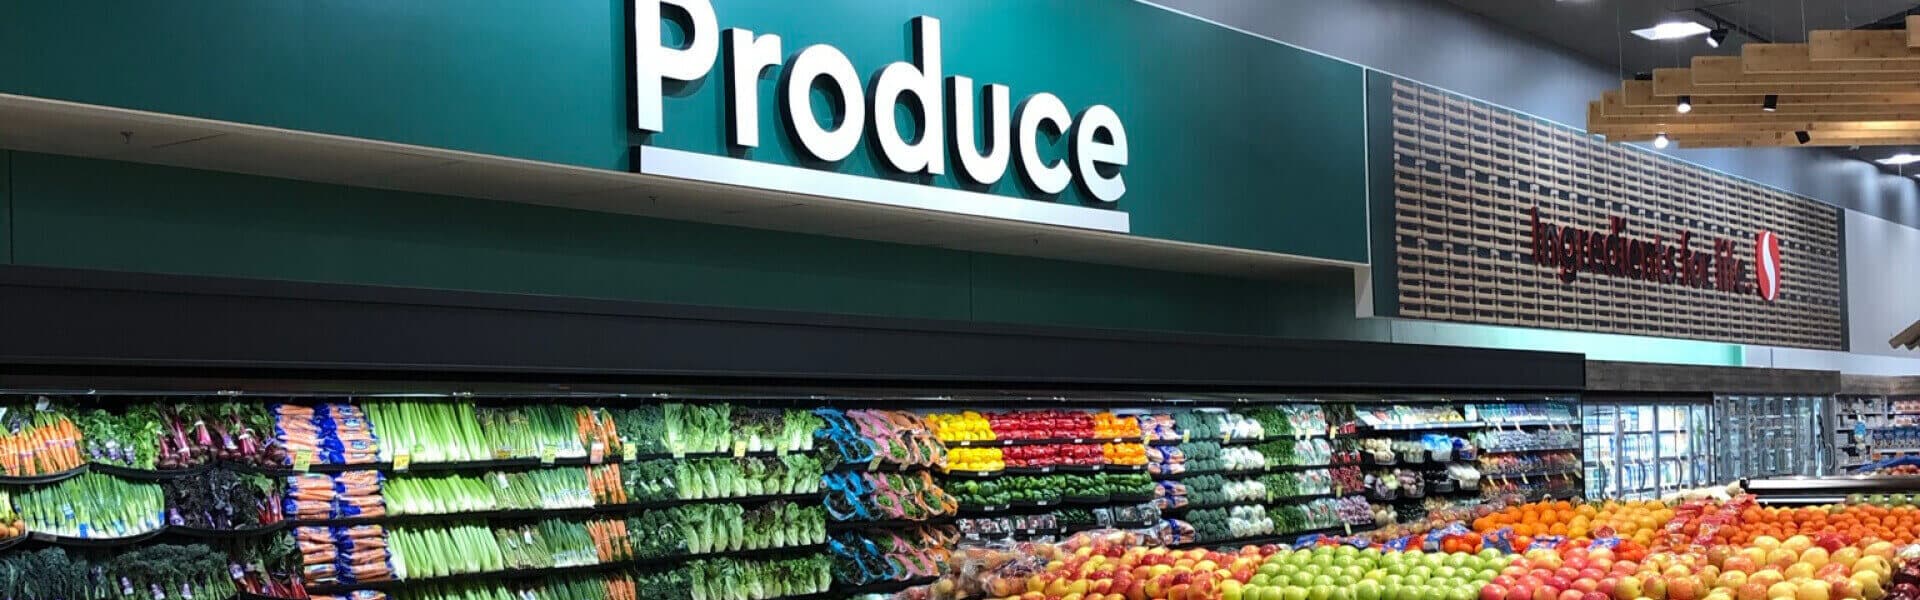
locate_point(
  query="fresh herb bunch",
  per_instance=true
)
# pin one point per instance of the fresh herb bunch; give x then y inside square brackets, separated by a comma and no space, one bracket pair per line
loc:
[129,440]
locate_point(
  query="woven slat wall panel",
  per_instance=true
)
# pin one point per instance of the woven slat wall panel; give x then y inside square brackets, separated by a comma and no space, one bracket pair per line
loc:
[1466,175]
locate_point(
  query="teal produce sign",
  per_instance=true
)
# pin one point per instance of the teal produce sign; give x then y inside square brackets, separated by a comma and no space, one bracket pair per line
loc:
[1180,129]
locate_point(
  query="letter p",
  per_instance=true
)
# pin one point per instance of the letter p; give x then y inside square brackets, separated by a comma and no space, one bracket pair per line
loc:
[654,61]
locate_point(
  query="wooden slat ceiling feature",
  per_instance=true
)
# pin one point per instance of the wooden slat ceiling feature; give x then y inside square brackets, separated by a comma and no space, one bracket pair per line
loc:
[1780,138]
[1795,58]
[1640,94]
[1841,88]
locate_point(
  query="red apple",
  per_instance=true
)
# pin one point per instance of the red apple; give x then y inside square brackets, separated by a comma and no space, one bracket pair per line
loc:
[1572,594]
[1493,591]
[1585,584]
[1683,588]
[1592,573]
[1630,588]
[1606,585]
[1520,592]
[1594,596]
[1546,592]
[1750,591]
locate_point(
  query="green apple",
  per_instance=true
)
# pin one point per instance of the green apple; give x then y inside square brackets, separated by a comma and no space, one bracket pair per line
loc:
[1446,572]
[1395,580]
[1292,592]
[1433,593]
[1268,569]
[1322,580]
[1274,593]
[1366,590]
[1258,579]
[1345,550]
[1341,593]
[1319,592]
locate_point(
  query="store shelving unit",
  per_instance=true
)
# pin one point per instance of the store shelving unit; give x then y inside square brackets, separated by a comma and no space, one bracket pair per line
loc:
[1762,436]
[1867,428]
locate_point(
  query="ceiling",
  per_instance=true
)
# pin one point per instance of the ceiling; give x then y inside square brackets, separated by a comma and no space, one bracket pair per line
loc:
[1603,29]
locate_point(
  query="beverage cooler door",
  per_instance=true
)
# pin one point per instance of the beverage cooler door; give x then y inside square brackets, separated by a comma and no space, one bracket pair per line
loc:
[1600,442]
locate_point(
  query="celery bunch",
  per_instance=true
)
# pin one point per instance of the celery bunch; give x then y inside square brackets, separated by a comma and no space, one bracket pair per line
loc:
[430,432]
[444,550]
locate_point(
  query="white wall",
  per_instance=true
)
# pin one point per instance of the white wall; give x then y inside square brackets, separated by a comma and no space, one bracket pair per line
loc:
[1883,282]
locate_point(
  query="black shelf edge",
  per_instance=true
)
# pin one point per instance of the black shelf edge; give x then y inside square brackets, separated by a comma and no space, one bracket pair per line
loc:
[888,523]
[486,465]
[1274,538]
[223,534]
[73,542]
[540,513]
[515,574]
[1042,442]
[1528,450]
[880,587]
[45,479]
[150,475]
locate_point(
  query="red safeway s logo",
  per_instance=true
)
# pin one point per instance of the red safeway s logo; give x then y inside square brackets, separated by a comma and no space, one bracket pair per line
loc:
[1766,264]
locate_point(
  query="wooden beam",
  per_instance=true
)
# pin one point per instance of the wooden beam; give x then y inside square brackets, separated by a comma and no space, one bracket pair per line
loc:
[1599,110]
[1726,70]
[1794,58]
[1769,140]
[1913,31]
[1640,93]
[1613,105]
[1861,45]
[1679,82]
[1889,127]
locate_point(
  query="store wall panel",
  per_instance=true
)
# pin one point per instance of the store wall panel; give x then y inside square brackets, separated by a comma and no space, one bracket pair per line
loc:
[6,207]
[1234,140]
[1500,218]
[96,214]
[1883,279]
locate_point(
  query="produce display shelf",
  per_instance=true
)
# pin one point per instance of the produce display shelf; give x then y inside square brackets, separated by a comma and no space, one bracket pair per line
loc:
[1529,450]
[487,465]
[73,542]
[1425,426]
[513,574]
[887,523]
[1531,423]
[883,467]
[881,587]
[50,478]
[1070,529]
[13,541]
[1009,471]
[1274,538]
[1539,473]
[1041,442]
[1200,473]
[539,513]
[149,475]
[220,534]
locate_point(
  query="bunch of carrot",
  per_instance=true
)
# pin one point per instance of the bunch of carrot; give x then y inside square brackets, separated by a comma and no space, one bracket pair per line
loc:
[596,427]
[610,540]
[39,442]
[605,483]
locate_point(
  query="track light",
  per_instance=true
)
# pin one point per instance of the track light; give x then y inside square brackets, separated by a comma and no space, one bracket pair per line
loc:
[1802,136]
[1770,103]
[1661,141]
[1684,106]
[1716,37]
[1671,30]
[1901,159]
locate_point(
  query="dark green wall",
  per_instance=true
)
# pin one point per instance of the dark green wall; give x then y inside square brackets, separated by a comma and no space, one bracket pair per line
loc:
[6,206]
[96,214]
[1234,140]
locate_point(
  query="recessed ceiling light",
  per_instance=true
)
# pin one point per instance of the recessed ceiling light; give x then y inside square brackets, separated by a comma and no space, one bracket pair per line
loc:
[1684,105]
[1672,30]
[1902,158]
[1661,141]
